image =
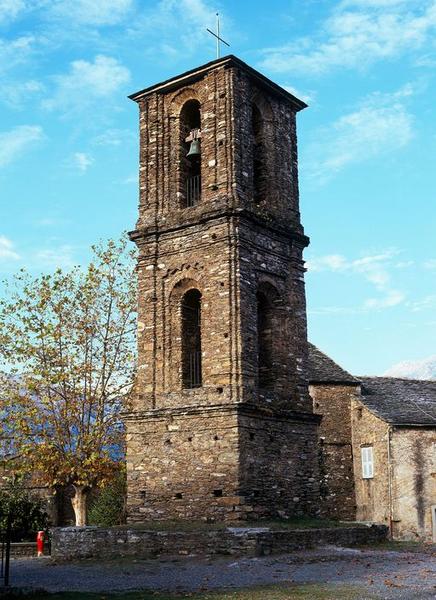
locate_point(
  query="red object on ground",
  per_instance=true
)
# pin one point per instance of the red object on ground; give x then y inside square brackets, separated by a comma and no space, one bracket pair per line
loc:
[40,543]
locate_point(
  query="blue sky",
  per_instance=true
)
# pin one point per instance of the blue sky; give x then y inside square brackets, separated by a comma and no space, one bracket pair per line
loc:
[367,143]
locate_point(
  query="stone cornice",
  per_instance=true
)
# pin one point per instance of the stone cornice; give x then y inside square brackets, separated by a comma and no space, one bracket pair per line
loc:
[270,225]
[243,408]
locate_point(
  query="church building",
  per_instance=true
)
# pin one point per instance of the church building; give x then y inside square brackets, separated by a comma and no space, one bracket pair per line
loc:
[221,425]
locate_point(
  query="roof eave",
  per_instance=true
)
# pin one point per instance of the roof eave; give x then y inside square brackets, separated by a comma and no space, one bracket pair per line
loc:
[333,382]
[406,424]
[199,72]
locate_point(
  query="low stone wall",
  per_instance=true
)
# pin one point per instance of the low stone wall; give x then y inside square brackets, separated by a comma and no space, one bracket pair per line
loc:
[20,549]
[86,542]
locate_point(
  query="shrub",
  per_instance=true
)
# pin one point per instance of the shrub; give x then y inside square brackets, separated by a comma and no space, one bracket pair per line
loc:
[27,513]
[108,508]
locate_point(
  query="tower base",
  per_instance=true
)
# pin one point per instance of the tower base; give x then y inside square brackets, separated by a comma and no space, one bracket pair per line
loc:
[221,463]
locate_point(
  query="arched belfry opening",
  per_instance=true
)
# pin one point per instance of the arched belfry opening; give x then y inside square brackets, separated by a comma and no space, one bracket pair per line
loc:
[260,179]
[191,339]
[268,331]
[190,149]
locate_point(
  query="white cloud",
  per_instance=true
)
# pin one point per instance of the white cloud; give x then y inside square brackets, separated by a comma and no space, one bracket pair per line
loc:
[430,264]
[7,251]
[81,161]
[338,262]
[53,258]
[114,137]
[307,97]
[380,124]
[10,9]
[131,179]
[404,264]
[356,35]
[15,142]
[87,82]
[392,298]
[51,222]
[92,12]
[174,29]
[330,262]
[15,93]
[375,270]
[426,303]
[374,3]
[15,51]
[416,369]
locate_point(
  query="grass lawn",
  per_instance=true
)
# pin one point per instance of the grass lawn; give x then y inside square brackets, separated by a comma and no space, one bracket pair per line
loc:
[276,592]
[292,523]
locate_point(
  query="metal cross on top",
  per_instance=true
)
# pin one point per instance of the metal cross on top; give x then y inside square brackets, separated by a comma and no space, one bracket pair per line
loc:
[217,35]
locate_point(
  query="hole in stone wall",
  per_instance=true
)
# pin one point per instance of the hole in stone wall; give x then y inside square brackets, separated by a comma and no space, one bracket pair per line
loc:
[178,495]
[219,390]
[215,437]
[251,434]
[220,143]
[217,493]
[214,236]
[168,442]
[226,335]
[189,439]
[142,494]
[222,284]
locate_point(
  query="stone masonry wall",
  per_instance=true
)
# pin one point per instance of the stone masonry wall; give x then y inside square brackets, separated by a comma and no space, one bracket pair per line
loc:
[405,499]
[72,543]
[337,493]
[413,456]
[372,495]
[183,465]
[277,458]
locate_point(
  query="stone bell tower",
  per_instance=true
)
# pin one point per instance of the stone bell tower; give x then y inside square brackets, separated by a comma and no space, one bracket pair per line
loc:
[221,425]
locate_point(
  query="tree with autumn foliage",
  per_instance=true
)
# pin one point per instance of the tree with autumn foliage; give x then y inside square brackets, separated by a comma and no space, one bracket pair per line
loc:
[67,344]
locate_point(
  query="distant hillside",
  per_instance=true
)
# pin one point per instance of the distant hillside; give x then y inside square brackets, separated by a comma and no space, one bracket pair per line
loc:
[415,369]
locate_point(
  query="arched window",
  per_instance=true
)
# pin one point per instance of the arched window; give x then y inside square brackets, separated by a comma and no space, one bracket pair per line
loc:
[259,156]
[191,339]
[190,159]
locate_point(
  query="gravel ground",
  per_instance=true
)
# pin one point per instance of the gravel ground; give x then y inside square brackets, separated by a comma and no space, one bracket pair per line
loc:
[384,574]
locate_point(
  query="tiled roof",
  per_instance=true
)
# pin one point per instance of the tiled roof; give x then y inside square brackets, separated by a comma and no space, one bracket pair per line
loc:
[322,369]
[400,401]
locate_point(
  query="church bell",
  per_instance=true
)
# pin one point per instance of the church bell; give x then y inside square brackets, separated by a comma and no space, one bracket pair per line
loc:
[194,149]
